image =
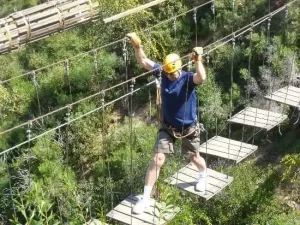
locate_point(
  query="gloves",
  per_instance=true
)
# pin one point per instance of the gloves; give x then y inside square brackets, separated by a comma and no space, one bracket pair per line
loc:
[197,52]
[136,41]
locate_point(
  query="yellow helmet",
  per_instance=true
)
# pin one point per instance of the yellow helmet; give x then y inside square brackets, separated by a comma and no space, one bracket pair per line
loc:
[172,63]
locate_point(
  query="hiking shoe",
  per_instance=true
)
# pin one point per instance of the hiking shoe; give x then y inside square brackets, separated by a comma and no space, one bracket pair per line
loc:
[140,206]
[201,184]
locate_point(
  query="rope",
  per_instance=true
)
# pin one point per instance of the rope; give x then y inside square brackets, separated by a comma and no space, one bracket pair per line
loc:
[158,82]
[67,132]
[28,131]
[175,28]
[248,91]
[271,81]
[33,79]
[158,96]
[125,56]
[131,140]
[149,89]
[206,132]
[231,88]
[67,68]
[292,69]
[96,69]
[231,98]
[9,182]
[106,152]
[213,9]
[195,22]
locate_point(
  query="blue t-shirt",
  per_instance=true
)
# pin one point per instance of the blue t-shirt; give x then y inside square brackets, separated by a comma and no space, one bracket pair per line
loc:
[179,100]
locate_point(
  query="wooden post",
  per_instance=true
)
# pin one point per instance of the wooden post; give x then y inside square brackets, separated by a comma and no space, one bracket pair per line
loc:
[131,11]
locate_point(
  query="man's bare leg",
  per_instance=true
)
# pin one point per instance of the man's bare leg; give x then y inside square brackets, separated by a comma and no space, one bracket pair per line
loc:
[154,170]
[198,161]
[151,177]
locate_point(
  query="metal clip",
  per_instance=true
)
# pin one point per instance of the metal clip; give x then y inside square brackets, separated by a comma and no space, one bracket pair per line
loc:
[195,15]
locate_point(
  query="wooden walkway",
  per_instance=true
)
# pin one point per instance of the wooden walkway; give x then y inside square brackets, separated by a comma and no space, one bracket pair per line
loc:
[258,118]
[227,148]
[288,95]
[157,213]
[186,178]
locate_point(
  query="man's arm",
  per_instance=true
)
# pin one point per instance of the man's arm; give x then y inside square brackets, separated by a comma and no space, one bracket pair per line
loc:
[139,52]
[200,75]
[142,59]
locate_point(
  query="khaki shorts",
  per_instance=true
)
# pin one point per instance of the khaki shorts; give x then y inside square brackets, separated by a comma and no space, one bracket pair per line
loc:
[165,141]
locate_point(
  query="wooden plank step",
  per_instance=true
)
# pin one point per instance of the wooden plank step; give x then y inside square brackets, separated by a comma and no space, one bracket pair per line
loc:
[227,148]
[10,27]
[72,4]
[156,213]
[94,222]
[186,179]
[38,16]
[258,118]
[288,95]
[32,10]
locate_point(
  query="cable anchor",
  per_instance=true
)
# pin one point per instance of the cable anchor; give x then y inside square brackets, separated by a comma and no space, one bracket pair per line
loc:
[175,25]
[213,7]
[279,130]
[269,23]
[33,79]
[195,15]
[68,114]
[201,127]
[132,86]
[207,58]
[28,131]
[102,94]
[125,52]
[95,61]
[298,117]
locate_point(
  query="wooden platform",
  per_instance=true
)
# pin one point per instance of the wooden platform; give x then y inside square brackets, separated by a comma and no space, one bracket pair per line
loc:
[186,178]
[219,146]
[288,95]
[258,118]
[95,222]
[156,213]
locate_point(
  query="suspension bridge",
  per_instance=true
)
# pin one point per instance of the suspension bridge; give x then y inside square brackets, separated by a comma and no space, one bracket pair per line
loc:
[218,146]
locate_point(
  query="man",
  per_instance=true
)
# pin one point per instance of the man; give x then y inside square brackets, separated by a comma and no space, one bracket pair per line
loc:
[179,115]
